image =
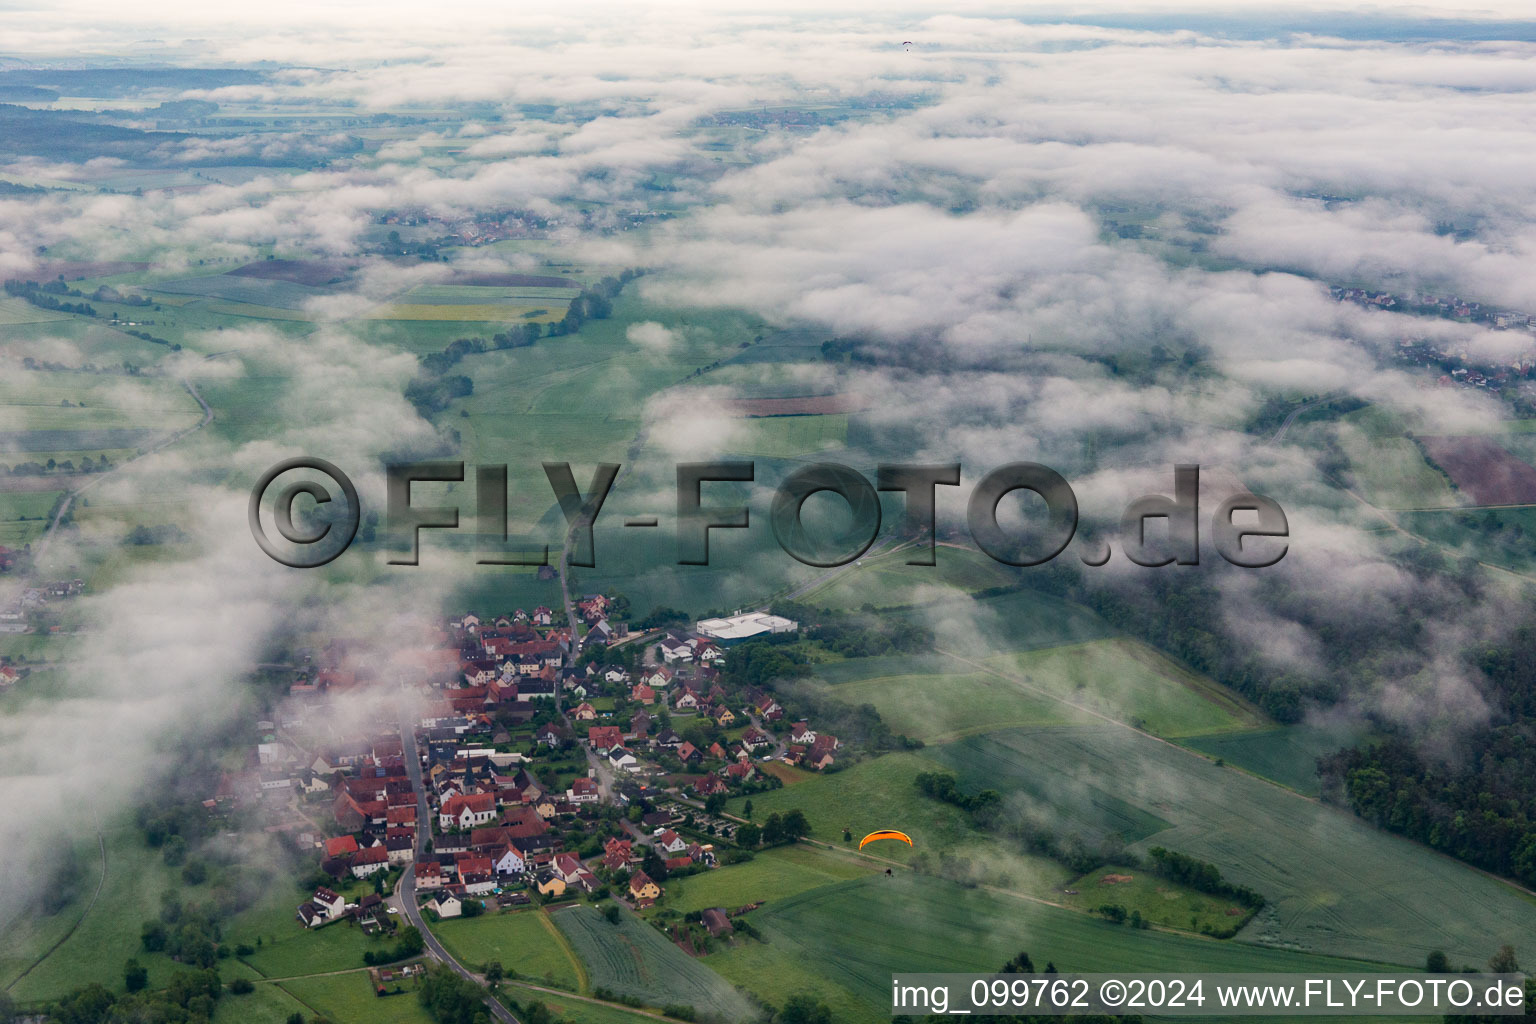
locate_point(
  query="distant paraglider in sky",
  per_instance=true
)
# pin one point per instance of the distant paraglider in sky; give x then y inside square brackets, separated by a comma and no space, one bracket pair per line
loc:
[907,45]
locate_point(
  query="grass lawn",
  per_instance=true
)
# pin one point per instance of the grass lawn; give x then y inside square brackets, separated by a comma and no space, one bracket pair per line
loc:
[288,949]
[770,876]
[106,936]
[266,1004]
[524,941]
[350,998]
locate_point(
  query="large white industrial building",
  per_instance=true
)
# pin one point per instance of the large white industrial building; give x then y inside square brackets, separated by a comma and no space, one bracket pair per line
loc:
[744,626]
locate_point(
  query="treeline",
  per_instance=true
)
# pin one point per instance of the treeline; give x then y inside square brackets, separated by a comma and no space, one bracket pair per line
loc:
[1197,874]
[989,813]
[1481,810]
[45,296]
[1181,613]
[859,635]
[432,389]
[87,465]
[190,998]
[450,999]
[984,806]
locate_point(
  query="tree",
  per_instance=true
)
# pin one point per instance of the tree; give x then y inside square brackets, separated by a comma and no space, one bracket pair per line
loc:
[494,971]
[1020,964]
[1503,962]
[804,1009]
[748,836]
[611,912]
[295,1018]
[746,810]
[1437,963]
[795,825]
[135,977]
[242,987]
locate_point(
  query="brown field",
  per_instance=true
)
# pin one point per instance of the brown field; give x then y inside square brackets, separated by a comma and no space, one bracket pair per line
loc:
[485,279]
[1483,469]
[313,273]
[810,405]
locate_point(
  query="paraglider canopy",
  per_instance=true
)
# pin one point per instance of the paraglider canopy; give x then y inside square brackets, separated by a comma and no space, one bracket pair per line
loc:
[884,834]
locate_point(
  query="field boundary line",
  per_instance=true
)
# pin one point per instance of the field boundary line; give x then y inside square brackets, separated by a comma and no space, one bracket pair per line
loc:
[101,883]
[583,981]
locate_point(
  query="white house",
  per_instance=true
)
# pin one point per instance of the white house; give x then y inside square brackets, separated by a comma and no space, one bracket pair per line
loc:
[446,904]
[467,810]
[671,842]
[510,862]
[329,904]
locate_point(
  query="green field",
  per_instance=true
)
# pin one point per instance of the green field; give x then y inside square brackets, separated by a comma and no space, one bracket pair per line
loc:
[880,794]
[1391,473]
[101,932]
[266,1004]
[1130,682]
[632,958]
[350,997]
[1158,900]
[1287,755]
[1123,679]
[523,941]
[843,942]
[1498,536]
[1335,884]
[770,876]
[576,1011]
[787,436]
[886,580]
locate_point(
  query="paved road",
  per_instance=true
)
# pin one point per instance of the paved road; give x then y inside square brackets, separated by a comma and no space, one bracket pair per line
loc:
[1280,434]
[41,548]
[405,892]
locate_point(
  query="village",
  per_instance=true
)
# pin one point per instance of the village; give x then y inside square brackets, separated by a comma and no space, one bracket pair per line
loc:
[524,767]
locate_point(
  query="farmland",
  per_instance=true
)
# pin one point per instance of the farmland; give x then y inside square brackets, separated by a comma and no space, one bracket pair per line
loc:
[770,876]
[1287,754]
[632,958]
[524,941]
[1119,678]
[350,997]
[1380,896]
[844,941]
[1391,473]
[577,1011]
[1130,682]
[1157,900]
[1484,469]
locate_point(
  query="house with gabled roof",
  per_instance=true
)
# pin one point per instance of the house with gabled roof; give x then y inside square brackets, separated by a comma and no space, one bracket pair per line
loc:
[467,810]
[604,737]
[642,890]
[369,862]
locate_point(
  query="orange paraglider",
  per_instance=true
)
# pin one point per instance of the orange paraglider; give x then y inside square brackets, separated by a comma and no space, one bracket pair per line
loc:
[885,834]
